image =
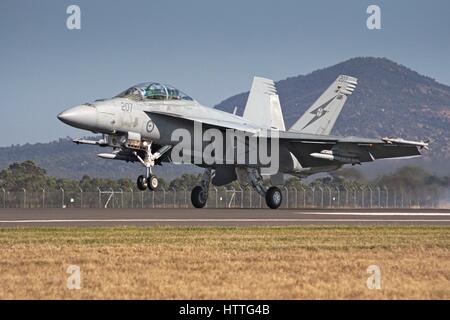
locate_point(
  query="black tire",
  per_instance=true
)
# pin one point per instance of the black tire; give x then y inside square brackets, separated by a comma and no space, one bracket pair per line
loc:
[142,183]
[274,197]
[152,182]
[199,197]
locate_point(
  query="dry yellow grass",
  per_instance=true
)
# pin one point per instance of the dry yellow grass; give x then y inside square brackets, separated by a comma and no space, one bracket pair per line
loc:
[226,263]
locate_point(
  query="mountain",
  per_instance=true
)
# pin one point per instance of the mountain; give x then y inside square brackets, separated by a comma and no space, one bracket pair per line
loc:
[65,159]
[390,100]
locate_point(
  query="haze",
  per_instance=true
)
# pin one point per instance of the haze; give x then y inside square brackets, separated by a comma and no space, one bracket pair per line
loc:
[209,49]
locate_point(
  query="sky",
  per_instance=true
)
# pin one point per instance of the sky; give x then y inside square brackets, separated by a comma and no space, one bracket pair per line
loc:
[208,49]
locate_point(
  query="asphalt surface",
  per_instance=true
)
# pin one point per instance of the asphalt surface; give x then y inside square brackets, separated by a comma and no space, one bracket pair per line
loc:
[218,217]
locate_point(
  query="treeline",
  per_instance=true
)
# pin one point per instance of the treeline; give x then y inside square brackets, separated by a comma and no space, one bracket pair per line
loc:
[27,175]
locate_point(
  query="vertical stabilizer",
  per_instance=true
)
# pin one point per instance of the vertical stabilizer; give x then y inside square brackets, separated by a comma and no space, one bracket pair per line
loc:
[322,115]
[263,105]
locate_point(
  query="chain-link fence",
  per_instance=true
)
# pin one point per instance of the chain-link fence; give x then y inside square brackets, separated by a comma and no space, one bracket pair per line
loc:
[304,197]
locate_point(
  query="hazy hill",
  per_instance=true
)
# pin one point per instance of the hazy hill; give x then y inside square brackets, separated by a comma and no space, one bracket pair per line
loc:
[64,159]
[389,100]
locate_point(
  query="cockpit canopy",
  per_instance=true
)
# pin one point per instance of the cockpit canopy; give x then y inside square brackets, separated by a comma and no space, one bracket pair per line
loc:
[154,91]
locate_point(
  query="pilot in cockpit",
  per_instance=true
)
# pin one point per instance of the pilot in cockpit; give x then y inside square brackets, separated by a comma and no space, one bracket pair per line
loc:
[155,91]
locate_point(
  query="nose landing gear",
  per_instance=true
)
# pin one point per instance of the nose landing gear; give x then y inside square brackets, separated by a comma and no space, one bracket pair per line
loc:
[142,183]
[149,181]
[152,182]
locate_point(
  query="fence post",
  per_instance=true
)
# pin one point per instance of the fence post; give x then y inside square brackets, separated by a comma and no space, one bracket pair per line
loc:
[99,198]
[370,196]
[379,197]
[113,197]
[132,198]
[410,198]
[395,198]
[233,198]
[287,196]
[174,196]
[260,201]
[215,189]
[304,196]
[346,196]
[4,197]
[81,197]
[362,196]
[24,198]
[164,197]
[387,196]
[121,197]
[62,197]
[338,197]
[402,197]
[242,197]
[313,190]
[329,197]
[321,197]
[43,198]
[296,197]
[185,197]
[226,197]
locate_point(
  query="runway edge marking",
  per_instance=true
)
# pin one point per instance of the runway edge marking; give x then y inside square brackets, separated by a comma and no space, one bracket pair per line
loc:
[219,220]
[400,214]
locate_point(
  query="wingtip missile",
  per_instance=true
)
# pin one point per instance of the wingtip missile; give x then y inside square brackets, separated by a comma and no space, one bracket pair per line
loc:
[424,144]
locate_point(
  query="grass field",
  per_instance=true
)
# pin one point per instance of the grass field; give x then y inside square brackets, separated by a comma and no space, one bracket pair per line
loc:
[226,263]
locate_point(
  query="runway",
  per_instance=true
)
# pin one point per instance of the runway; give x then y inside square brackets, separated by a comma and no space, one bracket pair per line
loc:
[218,217]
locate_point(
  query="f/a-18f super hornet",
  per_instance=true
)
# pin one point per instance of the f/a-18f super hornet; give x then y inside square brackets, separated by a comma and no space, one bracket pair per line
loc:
[148,122]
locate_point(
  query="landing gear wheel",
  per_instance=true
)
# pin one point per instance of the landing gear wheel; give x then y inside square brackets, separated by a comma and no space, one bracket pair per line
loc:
[274,197]
[199,197]
[152,182]
[142,183]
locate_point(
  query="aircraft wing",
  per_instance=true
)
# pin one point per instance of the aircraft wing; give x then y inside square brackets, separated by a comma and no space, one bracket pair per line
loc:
[316,150]
[320,150]
[214,122]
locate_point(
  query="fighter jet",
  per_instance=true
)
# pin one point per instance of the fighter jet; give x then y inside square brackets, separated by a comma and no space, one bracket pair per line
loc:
[148,122]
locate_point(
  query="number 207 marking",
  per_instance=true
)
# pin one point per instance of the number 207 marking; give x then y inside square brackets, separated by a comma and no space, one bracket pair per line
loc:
[127,107]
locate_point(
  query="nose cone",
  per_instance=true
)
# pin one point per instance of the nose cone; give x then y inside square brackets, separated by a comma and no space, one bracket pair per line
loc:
[83,117]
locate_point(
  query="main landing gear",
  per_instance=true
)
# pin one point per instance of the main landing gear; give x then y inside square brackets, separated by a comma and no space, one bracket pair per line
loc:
[272,195]
[199,195]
